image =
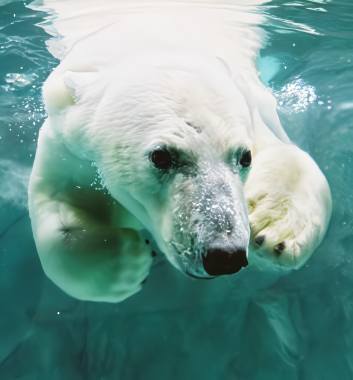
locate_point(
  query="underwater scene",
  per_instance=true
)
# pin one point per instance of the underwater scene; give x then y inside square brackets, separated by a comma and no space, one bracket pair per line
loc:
[263,317]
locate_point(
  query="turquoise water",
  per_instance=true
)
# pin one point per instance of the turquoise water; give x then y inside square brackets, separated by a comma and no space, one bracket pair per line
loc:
[298,327]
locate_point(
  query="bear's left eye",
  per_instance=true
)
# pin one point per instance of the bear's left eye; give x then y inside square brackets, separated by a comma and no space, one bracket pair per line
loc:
[161,159]
[245,161]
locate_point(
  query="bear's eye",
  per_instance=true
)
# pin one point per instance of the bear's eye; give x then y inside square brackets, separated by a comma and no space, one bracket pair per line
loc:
[161,159]
[245,161]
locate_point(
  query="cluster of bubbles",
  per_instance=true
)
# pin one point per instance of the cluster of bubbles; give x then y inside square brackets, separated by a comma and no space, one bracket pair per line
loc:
[295,96]
[98,182]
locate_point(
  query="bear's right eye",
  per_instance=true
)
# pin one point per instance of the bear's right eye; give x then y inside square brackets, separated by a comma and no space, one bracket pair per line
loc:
[161,159]
[245,161]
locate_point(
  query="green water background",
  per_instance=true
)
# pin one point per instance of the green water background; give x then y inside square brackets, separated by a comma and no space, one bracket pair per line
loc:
[299,327]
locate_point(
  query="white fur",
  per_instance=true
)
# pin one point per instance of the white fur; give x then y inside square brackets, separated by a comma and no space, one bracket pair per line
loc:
[135,76]
[288,201]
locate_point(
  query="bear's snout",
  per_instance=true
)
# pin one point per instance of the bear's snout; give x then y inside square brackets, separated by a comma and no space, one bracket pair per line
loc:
[219,262]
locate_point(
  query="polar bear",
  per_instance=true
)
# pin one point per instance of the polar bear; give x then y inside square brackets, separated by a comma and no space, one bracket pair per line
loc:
[157,121]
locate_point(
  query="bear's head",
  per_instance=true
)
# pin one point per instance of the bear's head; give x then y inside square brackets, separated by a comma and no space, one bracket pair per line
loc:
[174,147]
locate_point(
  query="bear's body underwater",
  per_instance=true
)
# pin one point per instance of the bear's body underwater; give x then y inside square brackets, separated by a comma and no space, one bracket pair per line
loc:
[165,106]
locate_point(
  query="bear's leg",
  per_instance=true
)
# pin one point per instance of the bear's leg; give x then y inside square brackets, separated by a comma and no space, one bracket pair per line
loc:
[89,245]
[289,205]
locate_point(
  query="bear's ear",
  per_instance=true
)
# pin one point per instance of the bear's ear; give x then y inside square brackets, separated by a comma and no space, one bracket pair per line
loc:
[61,91]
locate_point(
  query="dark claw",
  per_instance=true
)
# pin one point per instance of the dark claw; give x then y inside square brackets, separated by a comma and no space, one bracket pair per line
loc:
[144,281]
[147,242]
[259,240]
[279,248]
[154,254]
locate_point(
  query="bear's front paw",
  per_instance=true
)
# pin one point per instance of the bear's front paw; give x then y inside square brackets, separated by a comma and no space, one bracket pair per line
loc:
[289,205]
[124,269]
[279,231]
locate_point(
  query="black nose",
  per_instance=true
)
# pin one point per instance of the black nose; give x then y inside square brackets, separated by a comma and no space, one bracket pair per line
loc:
[219,262]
